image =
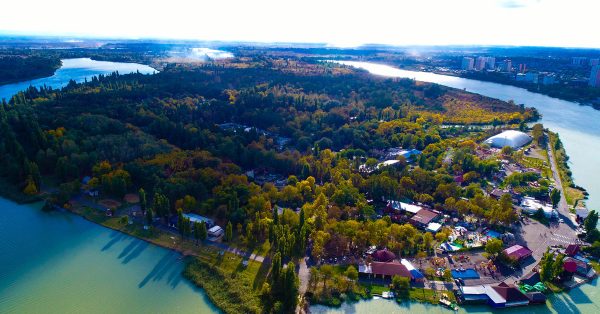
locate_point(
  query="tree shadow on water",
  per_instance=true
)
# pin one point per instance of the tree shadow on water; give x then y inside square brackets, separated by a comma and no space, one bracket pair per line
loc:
[128,248]
[160,269]
[116,237]
[139,248]
[175,277]
[563,304]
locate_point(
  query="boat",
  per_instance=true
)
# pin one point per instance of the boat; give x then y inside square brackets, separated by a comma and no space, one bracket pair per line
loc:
[387,295]
[447,303]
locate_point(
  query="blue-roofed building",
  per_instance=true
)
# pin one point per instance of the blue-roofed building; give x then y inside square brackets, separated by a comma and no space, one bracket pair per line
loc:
[86,180]
[410,153]
[415,273]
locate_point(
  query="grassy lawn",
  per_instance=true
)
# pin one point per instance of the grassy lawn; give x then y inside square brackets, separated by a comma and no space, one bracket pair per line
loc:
[229,285]
[573,195]
[429,295]
[415,294]
[542,165]
[377,289]
[261,249]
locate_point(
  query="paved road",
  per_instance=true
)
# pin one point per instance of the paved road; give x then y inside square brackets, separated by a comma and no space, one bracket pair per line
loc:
[562,207]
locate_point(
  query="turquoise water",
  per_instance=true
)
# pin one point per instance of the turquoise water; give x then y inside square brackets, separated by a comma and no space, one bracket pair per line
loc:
[579,300]
[75,69]
[60,263]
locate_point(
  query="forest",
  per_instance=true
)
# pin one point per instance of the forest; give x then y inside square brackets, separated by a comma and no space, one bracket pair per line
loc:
[14,68]
[163,133]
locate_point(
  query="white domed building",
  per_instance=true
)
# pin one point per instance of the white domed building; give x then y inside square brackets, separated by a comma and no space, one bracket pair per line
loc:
[512,138]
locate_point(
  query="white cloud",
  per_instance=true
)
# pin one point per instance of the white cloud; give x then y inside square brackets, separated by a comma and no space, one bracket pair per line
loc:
[342,23]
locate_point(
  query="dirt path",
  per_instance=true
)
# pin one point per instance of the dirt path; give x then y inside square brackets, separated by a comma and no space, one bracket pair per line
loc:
[303,275]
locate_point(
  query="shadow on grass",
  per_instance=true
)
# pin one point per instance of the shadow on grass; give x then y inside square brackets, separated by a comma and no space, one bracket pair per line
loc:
[261,275]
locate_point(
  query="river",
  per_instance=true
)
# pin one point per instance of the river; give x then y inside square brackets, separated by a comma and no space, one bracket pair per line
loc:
[78,69]
[579,129]
[61,263]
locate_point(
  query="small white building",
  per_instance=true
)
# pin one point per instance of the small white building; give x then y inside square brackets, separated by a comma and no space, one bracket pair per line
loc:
[399,206]
[530,205]
[215,233]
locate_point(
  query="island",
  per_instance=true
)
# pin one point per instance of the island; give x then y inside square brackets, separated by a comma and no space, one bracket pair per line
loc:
[286,181]
[19,67]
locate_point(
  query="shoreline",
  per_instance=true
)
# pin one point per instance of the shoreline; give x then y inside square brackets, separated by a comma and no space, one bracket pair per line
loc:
[400,66]
[578,101]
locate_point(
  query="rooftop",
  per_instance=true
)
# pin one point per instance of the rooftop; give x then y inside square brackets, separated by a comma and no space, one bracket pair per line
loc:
[389,269]
[512,138]
[424,216]
[517,252]
[197,218]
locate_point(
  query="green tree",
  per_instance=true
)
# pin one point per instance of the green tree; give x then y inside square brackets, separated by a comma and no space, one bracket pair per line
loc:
[149,217]
[228,232]
[143,203]
[351,273]
[557,266]
[203,232]
[401,285]
[538,134]
[197,231]
[161,205]
[555,197]
[180,222]
[507,151]
[275,269]
[290,288]
[494,247]
[30,188]
[546,270]
[591,221]
[447,275]
[275,216]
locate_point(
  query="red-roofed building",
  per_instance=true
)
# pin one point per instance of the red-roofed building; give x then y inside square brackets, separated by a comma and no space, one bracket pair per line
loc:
[510,296]
[572,249]
[384,256]
[517,252]
[423,217]
[385,270]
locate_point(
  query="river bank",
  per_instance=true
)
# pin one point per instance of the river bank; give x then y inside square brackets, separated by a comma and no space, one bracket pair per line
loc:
[575,195]
[549,90]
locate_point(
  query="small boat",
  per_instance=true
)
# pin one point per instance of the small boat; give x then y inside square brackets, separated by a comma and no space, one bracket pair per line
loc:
[387,295]
[447,303]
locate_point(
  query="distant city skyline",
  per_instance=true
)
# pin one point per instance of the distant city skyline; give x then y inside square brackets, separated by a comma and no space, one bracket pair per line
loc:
[348,23]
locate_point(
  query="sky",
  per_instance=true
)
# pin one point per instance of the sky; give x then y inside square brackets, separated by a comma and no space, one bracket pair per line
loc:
[561,23]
